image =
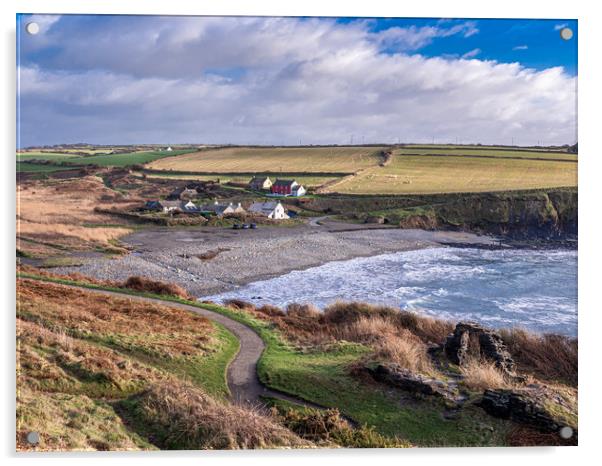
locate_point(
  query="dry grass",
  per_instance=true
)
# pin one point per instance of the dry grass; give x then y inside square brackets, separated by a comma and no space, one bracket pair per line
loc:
[548,357]
[57,211]
[180,416]
[156,287]
[394,336]
[134,326]
[425,175]
[483,375]
[274,159]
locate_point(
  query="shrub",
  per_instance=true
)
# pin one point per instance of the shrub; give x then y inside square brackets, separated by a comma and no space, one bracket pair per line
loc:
[181,417]
[156,287]
[548,356]
[329,427]
[239,304]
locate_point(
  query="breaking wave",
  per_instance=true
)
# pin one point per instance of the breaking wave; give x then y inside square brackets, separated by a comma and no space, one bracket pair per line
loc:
[503,288]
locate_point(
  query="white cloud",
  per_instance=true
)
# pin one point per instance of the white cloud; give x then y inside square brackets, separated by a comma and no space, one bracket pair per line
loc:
[520,47]
[558,27]
[471,54]
[275,81]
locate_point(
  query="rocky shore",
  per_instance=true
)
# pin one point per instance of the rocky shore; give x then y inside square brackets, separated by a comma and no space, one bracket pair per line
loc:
[209,260]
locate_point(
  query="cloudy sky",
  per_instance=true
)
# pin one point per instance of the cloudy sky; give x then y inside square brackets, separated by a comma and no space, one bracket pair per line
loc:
[242,80]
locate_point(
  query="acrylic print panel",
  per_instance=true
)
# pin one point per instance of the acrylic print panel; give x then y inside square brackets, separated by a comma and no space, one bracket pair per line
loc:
[262,232]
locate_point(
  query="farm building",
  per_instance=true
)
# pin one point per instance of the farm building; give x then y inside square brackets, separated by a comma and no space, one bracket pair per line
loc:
[189,207]
[260,182]
[170,206]
[223,209]
[184,193]
[287,188]
[273,210]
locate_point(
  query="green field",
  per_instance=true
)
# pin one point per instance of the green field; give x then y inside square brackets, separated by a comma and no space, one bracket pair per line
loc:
[26,167]
[424,174]
[274,159]
[111,160]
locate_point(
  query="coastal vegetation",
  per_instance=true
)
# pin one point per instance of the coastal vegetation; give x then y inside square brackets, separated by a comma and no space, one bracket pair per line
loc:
[328,358]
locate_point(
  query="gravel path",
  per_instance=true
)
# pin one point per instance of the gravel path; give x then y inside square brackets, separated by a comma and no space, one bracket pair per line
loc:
[243,382]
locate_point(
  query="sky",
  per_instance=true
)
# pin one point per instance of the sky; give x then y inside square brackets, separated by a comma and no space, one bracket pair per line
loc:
[106,79]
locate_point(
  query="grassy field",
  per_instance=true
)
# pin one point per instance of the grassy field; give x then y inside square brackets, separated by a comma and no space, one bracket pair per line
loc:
[110,160]
[27,167]
[80,353]
[483,152]
[424,174]
[274,159]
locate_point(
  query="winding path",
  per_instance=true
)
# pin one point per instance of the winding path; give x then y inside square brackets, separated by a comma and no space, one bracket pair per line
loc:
[242,378]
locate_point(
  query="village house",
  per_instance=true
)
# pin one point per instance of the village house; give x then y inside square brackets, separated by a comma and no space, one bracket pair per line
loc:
[170,206]
[223,209]
[259,183]
[287,188]
[273,210]
[185,193]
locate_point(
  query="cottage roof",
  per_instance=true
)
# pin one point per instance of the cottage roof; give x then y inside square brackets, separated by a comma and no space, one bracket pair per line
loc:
[170,204]
[260,179]
[263,207]
[284,183]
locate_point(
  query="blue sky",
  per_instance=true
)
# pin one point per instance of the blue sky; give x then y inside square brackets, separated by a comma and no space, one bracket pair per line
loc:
[135,79]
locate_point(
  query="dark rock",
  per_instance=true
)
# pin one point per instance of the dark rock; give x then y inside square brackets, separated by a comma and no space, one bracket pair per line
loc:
[395,376]
[519,407]
[471,340]
[375,219]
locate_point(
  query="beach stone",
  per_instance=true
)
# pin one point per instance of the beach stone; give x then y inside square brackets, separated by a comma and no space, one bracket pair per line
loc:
[395,376]
[519,406]
[459,346]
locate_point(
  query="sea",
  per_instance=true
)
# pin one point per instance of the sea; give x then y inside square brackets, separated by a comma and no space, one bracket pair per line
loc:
[532,289]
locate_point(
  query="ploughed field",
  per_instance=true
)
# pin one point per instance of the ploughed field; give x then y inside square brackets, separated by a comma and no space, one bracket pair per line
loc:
[274,159]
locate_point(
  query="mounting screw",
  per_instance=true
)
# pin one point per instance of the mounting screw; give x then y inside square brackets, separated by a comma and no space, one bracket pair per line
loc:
[33,438]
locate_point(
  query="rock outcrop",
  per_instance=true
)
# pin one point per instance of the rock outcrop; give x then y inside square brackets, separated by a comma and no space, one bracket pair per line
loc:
[522,407]
[395,376]
[470,340]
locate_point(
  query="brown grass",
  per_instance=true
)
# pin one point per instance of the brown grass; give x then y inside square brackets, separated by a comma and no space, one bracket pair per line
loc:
[384,329]
[183,417]
[483,375]
[55,212]
[549,357]
[143,284]
[135,326]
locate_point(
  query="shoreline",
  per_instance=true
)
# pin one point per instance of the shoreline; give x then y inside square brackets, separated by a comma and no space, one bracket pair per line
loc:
[233,258]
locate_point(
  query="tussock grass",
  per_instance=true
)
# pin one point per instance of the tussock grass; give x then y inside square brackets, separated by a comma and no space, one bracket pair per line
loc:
[548,357]
[483,375]
[180,416]
[143,284]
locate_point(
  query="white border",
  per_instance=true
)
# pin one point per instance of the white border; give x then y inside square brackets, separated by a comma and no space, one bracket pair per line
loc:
[590,79]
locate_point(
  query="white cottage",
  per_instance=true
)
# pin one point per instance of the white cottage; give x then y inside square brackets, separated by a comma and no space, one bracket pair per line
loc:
[273,210]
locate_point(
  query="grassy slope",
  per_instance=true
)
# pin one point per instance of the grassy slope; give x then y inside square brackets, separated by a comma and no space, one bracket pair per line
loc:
[424,174]
[257,160]
[115,160]
[75,362]
[322,377]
